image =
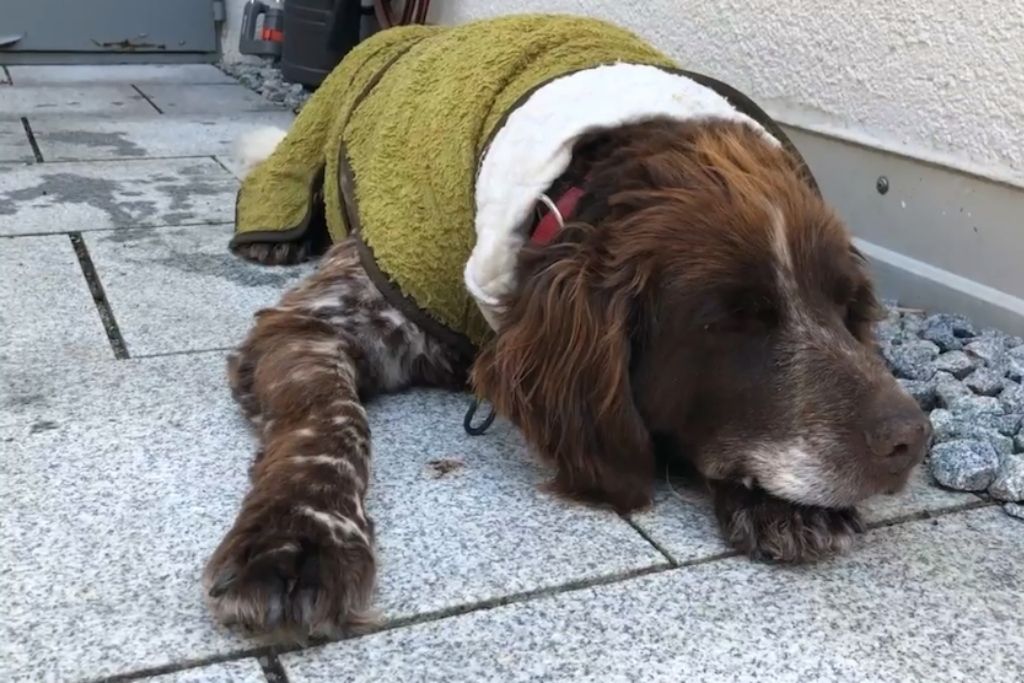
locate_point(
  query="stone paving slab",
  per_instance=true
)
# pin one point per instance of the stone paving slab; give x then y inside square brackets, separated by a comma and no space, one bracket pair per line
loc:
[180,289]
[484,529]
[683,524]
[73,196]
[46,310]
[925,601]
[241,671]
[121,476]
[137,74]
[14,145]
[73,100]
[177,100]
[65,139]
[118,478]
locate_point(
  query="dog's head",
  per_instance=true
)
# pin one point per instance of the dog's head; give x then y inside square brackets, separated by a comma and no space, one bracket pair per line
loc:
[709,297]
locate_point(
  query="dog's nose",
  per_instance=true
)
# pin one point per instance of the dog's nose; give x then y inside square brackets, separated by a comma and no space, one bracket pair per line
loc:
[901,440]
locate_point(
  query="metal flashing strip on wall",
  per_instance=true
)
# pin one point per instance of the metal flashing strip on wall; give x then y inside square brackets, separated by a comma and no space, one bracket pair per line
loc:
[938,238]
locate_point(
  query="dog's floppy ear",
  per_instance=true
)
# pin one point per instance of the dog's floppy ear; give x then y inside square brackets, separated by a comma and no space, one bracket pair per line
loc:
[559,370]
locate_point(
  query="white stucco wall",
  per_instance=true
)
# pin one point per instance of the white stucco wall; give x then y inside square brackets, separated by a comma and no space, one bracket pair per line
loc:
[941,81]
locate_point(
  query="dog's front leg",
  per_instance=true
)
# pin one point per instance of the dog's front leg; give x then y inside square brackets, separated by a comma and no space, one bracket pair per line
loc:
[299,559]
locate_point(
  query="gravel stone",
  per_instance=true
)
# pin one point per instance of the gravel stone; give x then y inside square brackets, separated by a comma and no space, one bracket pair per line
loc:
[944,427]
[964,464]
[960,325]
[989,349]
[1014,510]
[940,332]
[1014,369]
[1009,481]
[1002,444]
[266,79]
[912,324]
[956,428]
[985,381]
[956,363]
[971,408]
[913,360]
[1012,399]
[1018,443]
[1009,425]
[923,392]
[948,389]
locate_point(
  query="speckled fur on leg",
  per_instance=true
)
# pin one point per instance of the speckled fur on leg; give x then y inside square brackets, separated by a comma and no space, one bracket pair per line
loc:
[299,560]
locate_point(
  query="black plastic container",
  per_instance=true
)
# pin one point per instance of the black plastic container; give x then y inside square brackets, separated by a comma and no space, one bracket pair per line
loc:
[318,34]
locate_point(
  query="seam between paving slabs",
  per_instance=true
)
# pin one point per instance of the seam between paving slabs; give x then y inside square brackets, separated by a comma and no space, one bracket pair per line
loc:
[933,514]
[99,297]
[105,160]
[650,539]
[221,164]
[273,671]
[32,140]
[273,651]
[146,97]
[47,233]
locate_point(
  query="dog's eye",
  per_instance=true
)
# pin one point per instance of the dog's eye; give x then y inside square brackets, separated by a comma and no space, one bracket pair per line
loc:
[860,310]
[743,312]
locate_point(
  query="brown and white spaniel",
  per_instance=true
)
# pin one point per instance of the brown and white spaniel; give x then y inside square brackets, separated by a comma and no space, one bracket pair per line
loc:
[701,298]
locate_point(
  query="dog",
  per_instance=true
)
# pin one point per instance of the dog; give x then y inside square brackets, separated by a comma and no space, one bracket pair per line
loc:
[697,298]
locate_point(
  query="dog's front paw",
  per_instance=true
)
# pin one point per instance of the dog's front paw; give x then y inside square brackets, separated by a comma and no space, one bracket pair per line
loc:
[290,572]
[276,254]
[771,529]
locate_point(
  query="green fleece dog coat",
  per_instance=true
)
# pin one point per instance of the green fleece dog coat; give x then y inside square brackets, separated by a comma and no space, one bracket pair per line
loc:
[432,146]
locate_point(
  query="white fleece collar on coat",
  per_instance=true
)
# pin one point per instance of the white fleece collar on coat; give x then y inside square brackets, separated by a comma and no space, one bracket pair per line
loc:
[534,147]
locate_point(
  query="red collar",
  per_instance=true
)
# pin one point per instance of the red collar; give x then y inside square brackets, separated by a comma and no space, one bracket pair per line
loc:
[548,226]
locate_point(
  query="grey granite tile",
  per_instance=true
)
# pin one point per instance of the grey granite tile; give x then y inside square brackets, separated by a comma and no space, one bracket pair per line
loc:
[72,196]
[925,601]
[241,671]
[176,100]
[68,100]
[121,476]
[88,74]
[180,289]
[118,478]
[682,522]
[46,311]
[484,529]
[14,145]
[94,138]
